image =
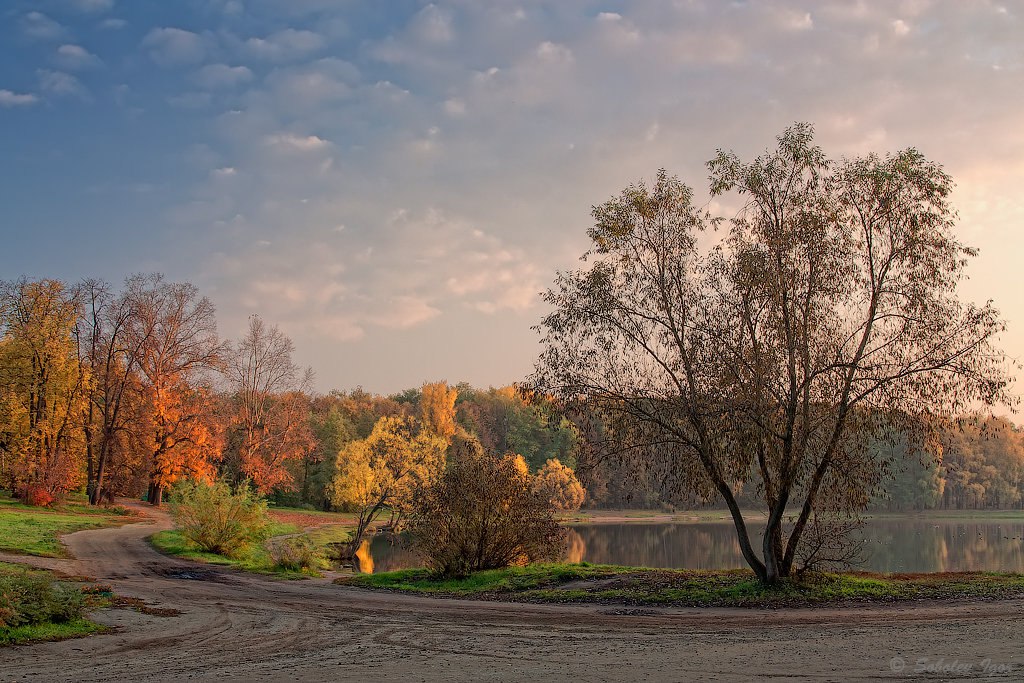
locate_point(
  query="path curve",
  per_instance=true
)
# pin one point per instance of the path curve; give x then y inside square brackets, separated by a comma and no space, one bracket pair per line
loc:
[243,627]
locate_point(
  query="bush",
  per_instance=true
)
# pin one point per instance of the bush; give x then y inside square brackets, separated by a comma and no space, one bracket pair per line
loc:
[28,598]
[483,513]
[296,554]
[558,484]
[217,519]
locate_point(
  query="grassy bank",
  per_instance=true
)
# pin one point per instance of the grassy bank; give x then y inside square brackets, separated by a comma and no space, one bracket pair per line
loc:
[585,583]
[259,558]
[35,531]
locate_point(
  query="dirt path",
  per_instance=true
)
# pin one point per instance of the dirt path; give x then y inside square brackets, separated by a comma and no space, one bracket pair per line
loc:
[238,627]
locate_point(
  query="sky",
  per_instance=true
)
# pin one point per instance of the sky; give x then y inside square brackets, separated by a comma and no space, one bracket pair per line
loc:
[393,183]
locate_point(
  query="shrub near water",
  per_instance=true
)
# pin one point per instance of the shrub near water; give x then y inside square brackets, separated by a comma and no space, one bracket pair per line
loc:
[218,519]
[483,514]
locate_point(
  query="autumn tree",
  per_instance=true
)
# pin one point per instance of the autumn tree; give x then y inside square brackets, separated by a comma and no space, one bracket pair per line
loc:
[43,388]
[437,409]
[111,344]
[825,315]
[176,331]
[558,484]
[382,472]
[272,408]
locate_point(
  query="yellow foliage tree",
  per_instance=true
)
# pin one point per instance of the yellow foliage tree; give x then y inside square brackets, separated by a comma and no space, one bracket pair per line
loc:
[558,484]
[43,389]
[437,407]
[384,470]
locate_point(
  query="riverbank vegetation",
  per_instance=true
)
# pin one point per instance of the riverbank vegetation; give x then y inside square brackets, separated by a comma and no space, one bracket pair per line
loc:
[603,584]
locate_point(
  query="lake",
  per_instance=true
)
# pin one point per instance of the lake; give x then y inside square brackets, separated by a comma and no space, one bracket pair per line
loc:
[888,545]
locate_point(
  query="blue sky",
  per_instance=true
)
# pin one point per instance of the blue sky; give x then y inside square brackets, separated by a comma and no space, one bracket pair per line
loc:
[392,183]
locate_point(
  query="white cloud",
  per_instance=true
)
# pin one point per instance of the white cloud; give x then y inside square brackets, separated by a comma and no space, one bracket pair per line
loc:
[13,99]
[309,86]
[214,76]
[433,25]
[403,312]
[174,46]
[900,27]
[554,53]
[286,45]
[76,57]
[290,141]
[38,25]
[61,84]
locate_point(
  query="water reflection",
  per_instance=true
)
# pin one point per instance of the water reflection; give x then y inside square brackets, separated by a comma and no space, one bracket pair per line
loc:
[889,546]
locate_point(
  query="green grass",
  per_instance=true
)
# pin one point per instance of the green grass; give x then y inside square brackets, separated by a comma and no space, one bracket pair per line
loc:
[257,558]
[735,588]
[37,633]
[34,531]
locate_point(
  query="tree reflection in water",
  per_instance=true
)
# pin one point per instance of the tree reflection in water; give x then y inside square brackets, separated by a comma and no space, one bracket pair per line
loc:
[890,546]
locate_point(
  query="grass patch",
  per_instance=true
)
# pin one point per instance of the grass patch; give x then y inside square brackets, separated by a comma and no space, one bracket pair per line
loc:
[37,633]
[564,583]
[31,530]
[257,558]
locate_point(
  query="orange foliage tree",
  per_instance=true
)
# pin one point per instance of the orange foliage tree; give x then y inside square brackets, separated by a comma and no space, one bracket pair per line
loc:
[176,332]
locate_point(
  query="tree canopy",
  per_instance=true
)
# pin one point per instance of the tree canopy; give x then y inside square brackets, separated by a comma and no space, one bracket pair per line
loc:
[823,314]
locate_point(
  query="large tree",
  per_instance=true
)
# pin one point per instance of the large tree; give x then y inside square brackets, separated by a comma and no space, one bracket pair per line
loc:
[43,389]
[826,314]
[176,332]
[111,342]
[272,413]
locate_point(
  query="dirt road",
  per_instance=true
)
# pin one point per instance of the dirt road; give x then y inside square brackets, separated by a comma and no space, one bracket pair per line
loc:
[237,627]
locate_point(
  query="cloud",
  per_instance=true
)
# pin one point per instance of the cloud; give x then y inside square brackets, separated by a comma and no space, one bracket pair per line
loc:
[286,45]
[213,76]
[174,46]
[38,25]
[12,99]
[301,89]
[433,25]
[300,143]
[61,84]
[76,57]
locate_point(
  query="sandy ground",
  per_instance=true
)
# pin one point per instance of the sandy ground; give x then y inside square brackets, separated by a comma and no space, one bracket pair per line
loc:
[238,627]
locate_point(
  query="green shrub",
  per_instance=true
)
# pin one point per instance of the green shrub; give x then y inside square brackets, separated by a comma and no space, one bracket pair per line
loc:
[28,598]
[296,554]
[217,519]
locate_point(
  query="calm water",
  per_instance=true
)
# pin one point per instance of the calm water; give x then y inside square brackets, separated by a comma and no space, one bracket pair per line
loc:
[888,546]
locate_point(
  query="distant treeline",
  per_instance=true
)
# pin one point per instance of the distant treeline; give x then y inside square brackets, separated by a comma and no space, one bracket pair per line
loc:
[976,462]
